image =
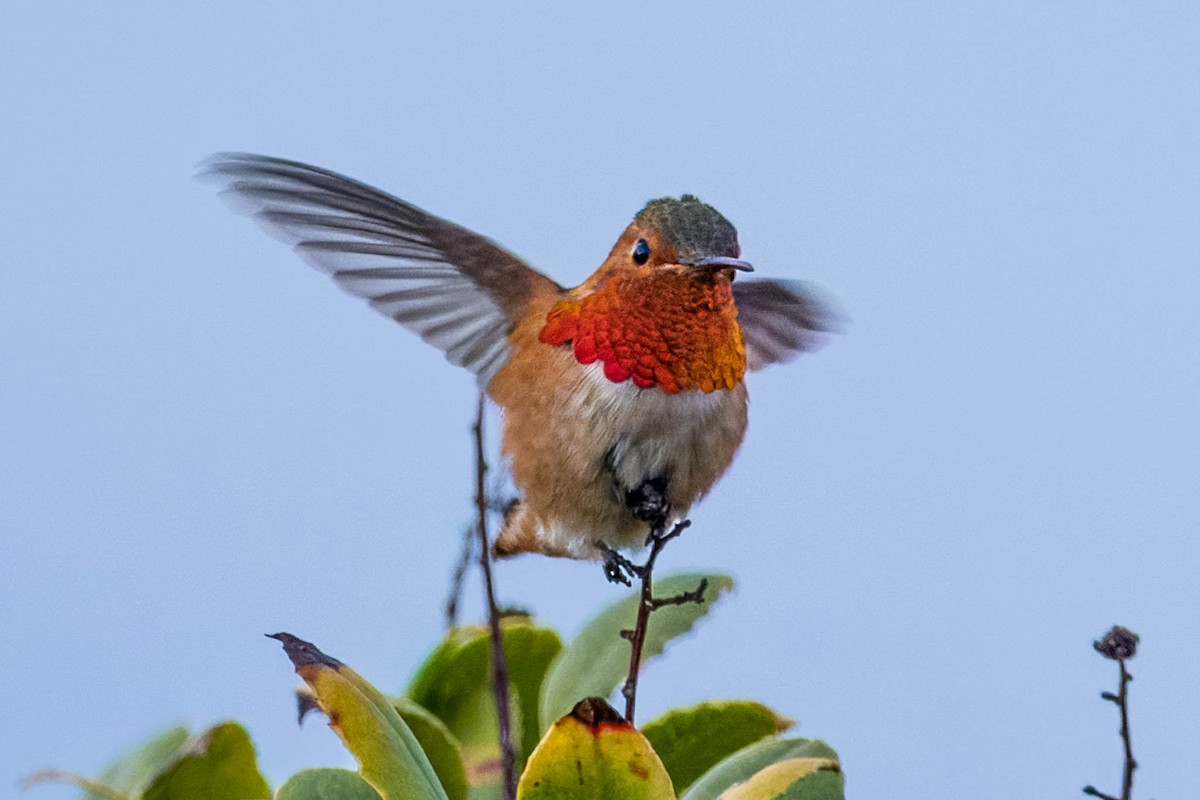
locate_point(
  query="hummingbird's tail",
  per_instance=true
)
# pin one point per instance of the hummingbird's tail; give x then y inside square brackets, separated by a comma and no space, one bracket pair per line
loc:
[524,532]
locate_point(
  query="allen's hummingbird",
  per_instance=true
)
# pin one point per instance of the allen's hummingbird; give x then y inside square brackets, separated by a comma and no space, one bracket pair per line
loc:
[623,398]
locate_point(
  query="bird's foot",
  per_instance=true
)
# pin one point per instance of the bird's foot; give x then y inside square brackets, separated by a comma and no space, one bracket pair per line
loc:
[618,568]
[648,502]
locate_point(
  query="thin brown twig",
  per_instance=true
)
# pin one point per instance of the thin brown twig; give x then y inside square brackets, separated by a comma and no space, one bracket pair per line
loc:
[1130,763]
[1120,645]
[508,759]
[646,605]
[459,576]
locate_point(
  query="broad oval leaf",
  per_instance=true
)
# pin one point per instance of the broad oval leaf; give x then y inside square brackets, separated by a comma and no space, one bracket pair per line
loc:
[692,740]
[593,754]
[597,661]
[743,765]
[455,684]
[326,783]
[388,754]
[219,763]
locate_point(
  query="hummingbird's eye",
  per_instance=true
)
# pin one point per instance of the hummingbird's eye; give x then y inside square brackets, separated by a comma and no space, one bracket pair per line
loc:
[641,252]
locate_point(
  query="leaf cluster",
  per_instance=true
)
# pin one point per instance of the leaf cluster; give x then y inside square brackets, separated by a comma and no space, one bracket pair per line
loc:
[439,740]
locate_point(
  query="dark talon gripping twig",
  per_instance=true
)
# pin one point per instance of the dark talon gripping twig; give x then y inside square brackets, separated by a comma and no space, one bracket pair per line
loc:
[617,568]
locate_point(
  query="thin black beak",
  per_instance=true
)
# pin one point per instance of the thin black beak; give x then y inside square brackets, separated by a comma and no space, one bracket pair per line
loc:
[720,262]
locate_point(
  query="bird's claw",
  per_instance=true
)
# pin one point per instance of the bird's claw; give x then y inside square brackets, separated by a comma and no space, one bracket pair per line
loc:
[618,568]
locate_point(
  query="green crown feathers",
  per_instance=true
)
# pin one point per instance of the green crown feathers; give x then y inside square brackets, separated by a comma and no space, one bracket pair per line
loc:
[690,226]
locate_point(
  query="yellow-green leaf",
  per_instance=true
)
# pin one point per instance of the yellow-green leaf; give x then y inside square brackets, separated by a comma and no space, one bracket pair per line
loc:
[218,763]
[598,659]
[388,754]
[793,779]
[326,783]
[441,748]
[593,754]
[746,763]
[692,740]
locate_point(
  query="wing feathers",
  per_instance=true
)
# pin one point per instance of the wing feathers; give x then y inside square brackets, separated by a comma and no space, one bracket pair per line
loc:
[457,290]
[781,319]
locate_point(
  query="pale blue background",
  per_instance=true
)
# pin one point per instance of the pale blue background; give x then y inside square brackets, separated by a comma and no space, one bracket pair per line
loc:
[203,441]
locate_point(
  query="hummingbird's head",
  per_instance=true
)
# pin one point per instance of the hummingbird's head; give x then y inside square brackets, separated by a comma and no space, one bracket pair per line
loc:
[680,233]
[660,310]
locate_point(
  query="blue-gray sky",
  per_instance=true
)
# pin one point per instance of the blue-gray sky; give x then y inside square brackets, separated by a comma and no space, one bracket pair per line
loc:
[201,440]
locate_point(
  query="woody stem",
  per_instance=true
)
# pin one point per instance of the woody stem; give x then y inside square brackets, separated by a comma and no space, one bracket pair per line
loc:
[508,760]
[648,603]
[1123,702]
[459,577]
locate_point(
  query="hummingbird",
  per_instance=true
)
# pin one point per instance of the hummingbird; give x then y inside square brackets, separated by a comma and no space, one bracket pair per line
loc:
[622,400]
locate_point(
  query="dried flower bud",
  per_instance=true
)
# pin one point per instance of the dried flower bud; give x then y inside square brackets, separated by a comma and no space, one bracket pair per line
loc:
[1118,644]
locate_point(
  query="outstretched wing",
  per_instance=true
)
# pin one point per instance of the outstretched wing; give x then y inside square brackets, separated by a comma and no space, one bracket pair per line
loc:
[460,292]
[781,319]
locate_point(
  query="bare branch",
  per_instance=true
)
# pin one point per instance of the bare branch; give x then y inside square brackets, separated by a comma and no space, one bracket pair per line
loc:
[459,576]
[648,603]
[508,760]
[1119,644]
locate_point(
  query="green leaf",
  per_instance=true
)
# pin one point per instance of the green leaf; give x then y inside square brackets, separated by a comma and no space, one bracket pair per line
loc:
[455,683]
[692,740]
[128,776]
[593,754]
[822,785]
[388,754]
[745,764]
[132,773]
[487,791]
[326,783]
[441,748]
[794,779]
[597,661]
[218,763]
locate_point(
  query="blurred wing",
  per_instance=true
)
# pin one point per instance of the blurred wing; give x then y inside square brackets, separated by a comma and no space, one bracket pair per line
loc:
[781,319]
[458,291]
